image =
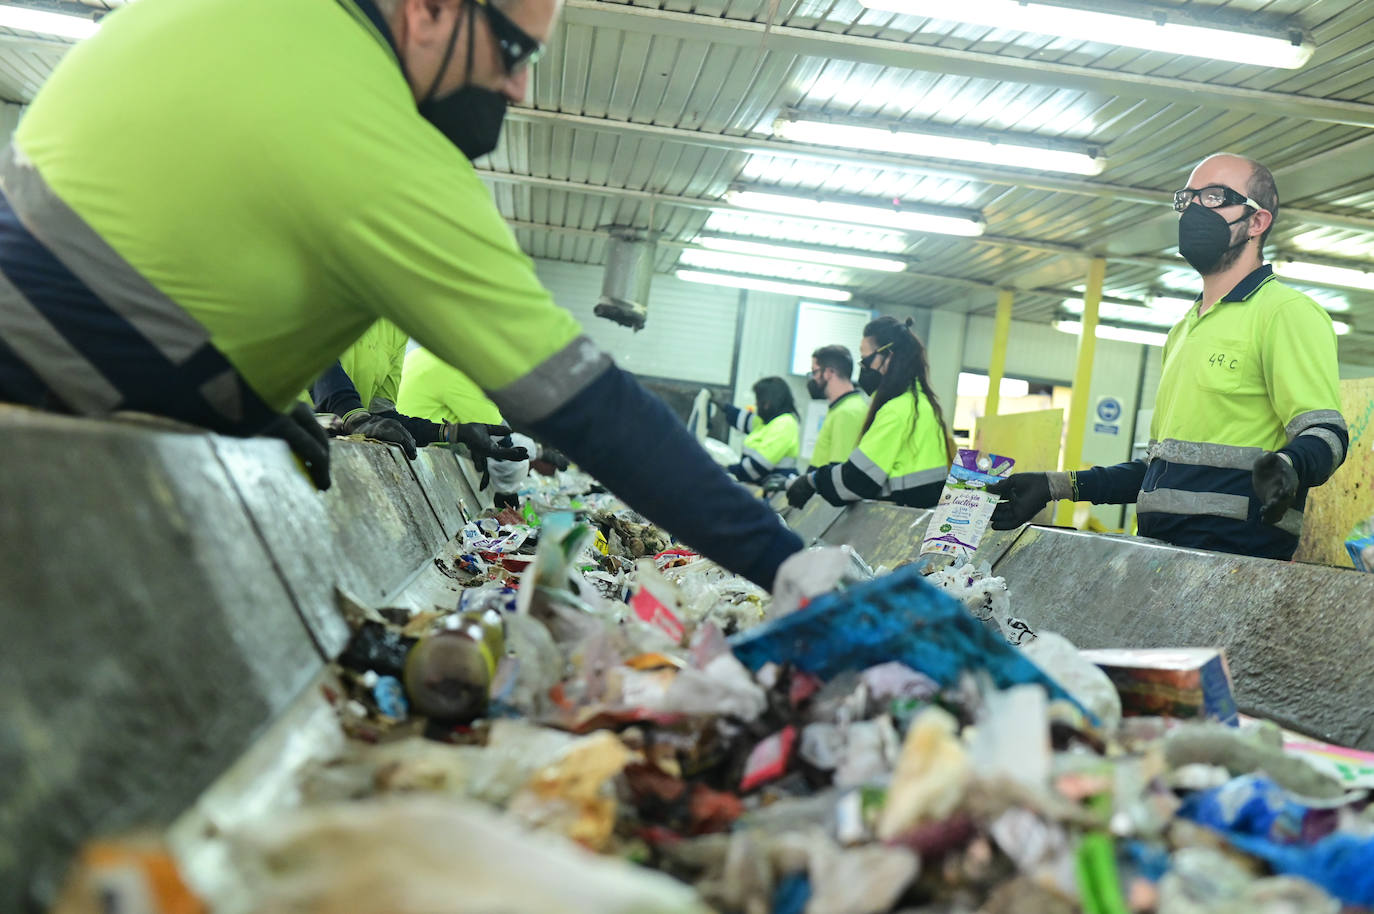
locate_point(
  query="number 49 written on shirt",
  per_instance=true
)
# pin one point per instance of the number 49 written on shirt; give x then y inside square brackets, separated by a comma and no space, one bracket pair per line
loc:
[1222,361]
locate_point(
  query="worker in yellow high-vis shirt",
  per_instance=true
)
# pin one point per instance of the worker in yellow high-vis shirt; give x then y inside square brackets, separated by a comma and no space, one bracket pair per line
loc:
[434,391]
[832,372]
[905,447]
[1247,417]
[363,387]
[289,172]
[772,441]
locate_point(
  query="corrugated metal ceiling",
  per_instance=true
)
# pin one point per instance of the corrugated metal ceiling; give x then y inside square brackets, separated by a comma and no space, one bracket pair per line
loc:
[712,68]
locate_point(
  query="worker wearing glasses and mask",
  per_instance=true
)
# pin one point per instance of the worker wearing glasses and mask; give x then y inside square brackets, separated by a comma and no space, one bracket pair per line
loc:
[905,447]
[1247,418]
[289,172]
[832,367]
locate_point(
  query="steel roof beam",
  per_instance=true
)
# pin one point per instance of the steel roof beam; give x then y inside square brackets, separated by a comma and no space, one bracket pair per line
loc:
[989,174]
[981,284]
[35,43]
[1053,249]
[707,203]
[889,53]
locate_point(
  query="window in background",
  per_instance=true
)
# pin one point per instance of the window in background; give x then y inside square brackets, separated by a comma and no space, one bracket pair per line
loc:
[821,325]
[1018,396]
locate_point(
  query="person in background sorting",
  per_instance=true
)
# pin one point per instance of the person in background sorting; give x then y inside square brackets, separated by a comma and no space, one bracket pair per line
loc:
[362,388]
[832,369]
[436,391]
[906,448]
[773,436]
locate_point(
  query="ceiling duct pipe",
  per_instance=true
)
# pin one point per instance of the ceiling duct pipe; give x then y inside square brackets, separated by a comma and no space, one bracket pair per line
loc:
[629,271]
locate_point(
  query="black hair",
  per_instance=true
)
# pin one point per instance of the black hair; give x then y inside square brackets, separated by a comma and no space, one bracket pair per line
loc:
[907,370]
[773,397]
[836,357]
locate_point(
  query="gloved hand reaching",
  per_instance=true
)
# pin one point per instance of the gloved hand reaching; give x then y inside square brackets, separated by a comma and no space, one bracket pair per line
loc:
[1276,485]
[729,410]
[800,491]
[307,440]
[379,428]
[482,441]
[1023,495]
[482,446]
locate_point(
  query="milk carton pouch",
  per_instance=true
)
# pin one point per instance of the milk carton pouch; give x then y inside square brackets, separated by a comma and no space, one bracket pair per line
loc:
[965,508]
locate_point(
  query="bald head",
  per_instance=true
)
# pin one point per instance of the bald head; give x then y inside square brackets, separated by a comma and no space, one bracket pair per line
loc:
[1245,175]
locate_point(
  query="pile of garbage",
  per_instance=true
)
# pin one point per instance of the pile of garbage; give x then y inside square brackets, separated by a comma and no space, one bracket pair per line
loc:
[607,722]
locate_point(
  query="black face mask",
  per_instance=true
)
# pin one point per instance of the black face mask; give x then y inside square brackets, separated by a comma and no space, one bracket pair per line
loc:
[1204,238]
[869,379]
[815,388]
[470,116]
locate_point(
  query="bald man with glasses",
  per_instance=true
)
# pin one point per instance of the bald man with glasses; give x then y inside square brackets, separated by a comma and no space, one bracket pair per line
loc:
[1247,418]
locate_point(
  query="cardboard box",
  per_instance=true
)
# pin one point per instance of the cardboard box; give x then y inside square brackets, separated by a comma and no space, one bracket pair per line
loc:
[1188,683]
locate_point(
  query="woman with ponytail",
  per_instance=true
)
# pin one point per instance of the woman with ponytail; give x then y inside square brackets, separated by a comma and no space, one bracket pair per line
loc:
[905,449]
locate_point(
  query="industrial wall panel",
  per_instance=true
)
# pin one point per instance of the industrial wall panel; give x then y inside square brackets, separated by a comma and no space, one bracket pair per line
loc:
[770,321]
[689,334]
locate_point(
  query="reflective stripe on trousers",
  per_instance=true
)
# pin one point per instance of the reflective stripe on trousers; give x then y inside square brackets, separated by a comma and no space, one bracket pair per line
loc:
[1215,504]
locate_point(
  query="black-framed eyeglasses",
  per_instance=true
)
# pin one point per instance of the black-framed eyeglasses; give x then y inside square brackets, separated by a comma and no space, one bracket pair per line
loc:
[518,48]
[1213,196]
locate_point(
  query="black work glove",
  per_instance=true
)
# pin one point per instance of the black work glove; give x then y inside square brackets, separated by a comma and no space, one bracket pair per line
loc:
[549,462]
[1023,496]
[481,446]
[800,491]
[379,428]
[1276,485]
[507,500]
[307,440]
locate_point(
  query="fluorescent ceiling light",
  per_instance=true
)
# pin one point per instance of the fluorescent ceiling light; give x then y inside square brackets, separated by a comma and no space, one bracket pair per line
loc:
[783,229]
[1341,327]
[1348,277]
[764,285]
[978,385]
[64,25]
[791,270]
[938,146]
[871,215]
[1120,334]
[1151,316]
[1110,28]
[805,255]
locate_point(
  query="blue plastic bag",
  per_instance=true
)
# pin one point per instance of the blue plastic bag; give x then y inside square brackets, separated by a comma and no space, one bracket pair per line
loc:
[896,617]
[1257,817]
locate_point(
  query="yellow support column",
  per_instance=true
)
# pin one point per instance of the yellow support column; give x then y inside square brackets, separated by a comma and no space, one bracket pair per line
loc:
[998,365]
[1082,381]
